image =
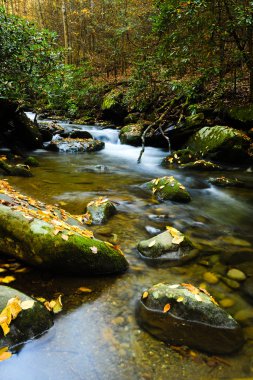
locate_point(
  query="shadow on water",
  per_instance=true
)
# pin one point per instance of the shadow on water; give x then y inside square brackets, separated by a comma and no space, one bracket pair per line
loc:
[96,336]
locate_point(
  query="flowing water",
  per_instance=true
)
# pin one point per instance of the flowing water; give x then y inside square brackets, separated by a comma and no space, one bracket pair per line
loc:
[96,335]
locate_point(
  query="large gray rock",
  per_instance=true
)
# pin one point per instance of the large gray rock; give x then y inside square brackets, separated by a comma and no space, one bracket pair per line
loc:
[29,324]
[167,188]
[75,145]
[185,315]
[170,247]
[48,237]
[220,143]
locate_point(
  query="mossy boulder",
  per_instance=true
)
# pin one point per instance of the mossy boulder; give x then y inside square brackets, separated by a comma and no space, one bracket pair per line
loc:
[131,134]
[17,132]
[29,324]
[17,170]
[170,247]
[201,165]
[220,143]
[100,210]
[186,315]
[227,182]
[71,145]
[48,237]
[113,106]
[31,161]
[194,120]
[242,116]
[167,188]
[181,156]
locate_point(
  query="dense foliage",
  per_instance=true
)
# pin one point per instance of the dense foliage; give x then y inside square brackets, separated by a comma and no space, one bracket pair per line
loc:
[155,48]
[27,56]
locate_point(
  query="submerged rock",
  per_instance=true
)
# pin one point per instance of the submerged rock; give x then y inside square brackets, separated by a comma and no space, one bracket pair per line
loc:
[201,165]
[29,324]
[31,161]
[170,247]
[226,182]
[17,170]
[75,145]
[48,237]
[185,315]
[167,188]
[220,143]
[100,210]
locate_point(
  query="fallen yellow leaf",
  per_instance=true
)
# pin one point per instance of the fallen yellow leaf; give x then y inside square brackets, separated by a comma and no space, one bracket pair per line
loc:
[7,279]
[145,295]
[4,354]
[84,290]
[166,308]
[28,304]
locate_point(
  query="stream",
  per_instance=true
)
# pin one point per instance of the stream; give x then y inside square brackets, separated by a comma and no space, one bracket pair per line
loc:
[96,336]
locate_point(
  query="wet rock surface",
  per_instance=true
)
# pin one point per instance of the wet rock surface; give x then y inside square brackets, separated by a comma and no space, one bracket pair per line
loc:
[201,165]
[170,247]
[100,210]
[220,143]
[48,237]
[70,145]
[29,323]
[167,188]
[186,315]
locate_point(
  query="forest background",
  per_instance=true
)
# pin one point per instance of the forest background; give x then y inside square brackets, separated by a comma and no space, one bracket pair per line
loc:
[73,57]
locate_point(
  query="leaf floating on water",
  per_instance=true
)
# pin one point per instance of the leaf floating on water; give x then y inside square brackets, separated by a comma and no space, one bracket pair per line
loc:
[145,295]
[94,249]
[4,354]
[84,290]
[7,279]
[152,243]
[28,304]
[166,308]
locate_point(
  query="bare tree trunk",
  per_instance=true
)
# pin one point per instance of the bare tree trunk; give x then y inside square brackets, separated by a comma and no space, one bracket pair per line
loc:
[65,31]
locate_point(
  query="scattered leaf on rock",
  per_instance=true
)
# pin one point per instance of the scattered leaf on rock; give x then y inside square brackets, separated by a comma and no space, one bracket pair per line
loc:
[9,313]
[152,243]
[145,295]
[84,290]
[166,308]
[7,279]
[54,305]
[180,299]
[28,304]
[4,354]
[94,249]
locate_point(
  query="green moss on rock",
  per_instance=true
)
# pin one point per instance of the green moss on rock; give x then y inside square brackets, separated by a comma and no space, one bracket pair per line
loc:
[29,324]
[168,188]
[220,143]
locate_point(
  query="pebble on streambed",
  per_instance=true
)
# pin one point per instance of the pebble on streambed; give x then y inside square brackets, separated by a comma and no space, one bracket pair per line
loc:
[182,314]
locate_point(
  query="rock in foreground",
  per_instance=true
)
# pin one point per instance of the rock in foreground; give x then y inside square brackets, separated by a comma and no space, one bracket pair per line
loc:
[170,247]
[168,188]
[48,237]
[185,315]
[30,322]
